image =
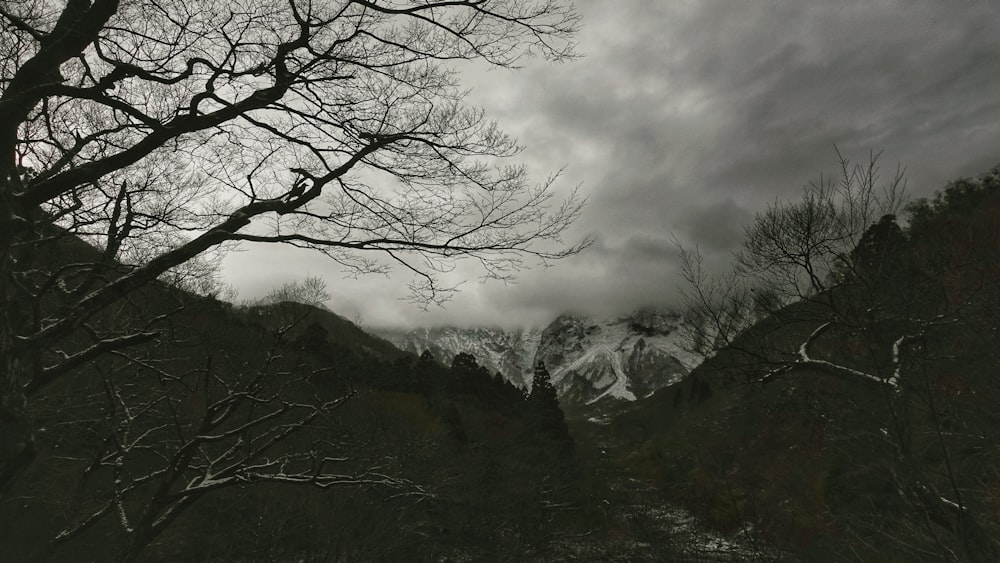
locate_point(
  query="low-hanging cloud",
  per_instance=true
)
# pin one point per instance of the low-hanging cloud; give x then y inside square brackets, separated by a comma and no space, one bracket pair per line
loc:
[683,119]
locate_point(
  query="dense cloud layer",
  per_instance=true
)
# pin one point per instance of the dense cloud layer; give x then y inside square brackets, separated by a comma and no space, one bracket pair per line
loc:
[685,118]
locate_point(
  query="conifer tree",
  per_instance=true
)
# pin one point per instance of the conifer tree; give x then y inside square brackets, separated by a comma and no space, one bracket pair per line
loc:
[546,414]
[542,391]
[426,373]
[464,365]
[426,362]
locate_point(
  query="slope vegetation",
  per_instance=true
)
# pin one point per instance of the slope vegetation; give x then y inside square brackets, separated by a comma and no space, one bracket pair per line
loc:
[858,424]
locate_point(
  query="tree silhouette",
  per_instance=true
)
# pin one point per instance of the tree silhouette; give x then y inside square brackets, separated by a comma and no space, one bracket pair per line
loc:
[464,365]
[547,415]
[161,134]
[896,313]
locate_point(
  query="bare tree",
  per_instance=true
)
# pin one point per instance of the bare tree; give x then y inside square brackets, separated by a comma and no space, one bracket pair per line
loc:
[160,131]
[161,437]
[831,286]
[792,252]
[309,291]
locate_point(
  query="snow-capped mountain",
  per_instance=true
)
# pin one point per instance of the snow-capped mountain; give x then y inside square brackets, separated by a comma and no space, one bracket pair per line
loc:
[588,359]
[510,352]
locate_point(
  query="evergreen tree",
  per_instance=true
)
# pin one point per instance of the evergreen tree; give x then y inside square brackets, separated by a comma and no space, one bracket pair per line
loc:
[542,391]
[470,378]
[546,414]
[881,255]
[426,360]
[463,365]
[427,373]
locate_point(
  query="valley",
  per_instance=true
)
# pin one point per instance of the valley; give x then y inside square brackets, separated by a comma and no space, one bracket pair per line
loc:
[640,281]
[811,430]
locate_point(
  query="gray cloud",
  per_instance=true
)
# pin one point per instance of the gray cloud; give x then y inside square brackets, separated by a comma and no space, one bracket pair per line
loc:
[685,118]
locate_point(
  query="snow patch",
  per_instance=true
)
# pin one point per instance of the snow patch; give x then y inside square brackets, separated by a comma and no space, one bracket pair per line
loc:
[611,358]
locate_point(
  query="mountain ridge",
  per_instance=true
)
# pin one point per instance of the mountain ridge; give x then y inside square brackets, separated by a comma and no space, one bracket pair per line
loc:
[590,359]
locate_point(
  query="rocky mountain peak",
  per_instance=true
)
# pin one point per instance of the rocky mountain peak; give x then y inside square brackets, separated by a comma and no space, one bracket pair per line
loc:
[589,359]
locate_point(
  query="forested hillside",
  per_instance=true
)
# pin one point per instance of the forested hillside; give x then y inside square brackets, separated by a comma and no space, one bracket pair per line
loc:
[857,421]
[852,422]
[283,431]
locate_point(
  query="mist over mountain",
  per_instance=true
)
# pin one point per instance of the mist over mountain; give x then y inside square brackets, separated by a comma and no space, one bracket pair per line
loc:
[590,359]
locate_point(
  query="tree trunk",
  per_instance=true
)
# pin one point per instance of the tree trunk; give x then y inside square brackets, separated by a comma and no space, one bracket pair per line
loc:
[16,439]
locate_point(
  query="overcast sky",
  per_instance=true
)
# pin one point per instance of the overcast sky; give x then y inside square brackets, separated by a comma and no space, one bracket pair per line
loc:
[686,117]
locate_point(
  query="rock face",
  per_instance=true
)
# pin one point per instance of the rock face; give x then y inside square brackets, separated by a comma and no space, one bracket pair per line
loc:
[589,359]
[510,352]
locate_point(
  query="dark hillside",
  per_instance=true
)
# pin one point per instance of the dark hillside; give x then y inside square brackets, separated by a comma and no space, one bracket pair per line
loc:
[857,424]
[871,434]
[278,432]
[321,323]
